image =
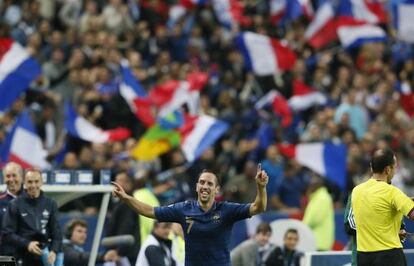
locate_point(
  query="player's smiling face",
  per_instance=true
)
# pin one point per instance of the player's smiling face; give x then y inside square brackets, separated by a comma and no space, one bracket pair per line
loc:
[207,187]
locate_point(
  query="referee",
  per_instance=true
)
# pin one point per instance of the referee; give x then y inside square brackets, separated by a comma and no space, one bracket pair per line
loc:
[378,210]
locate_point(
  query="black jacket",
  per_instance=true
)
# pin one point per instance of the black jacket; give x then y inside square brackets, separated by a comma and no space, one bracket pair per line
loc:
[281,257]
[29,220]
[74,255]
[5,248]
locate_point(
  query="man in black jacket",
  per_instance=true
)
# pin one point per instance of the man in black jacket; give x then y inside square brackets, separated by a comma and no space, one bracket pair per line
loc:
[124,221]
[76,233]
[286,255]
[13,178]
[31,223]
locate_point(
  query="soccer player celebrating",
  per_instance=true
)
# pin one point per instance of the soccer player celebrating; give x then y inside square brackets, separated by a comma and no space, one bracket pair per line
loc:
[207,224]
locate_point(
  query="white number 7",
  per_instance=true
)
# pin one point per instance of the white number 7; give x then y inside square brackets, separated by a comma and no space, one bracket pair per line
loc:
[190,224]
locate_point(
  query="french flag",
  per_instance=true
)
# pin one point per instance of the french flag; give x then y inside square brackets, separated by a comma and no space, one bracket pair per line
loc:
[264,55]
[369,11]
[230,13]
[23,146]
[404,20]
[171,95]
[305,97]
[199,133]
[191,4]
[280,106]
[135,95]
[322,29]
[79,127]
[406,98]
[285,10]
[357,35]
[17,70]
[325,159]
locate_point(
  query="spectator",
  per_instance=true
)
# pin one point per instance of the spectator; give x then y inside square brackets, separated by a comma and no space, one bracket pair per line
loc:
[156,250]
[254,251]
[13,178]
[319,214]
[286,255]
[289,190]
[124,221]
[31,225]
[76,234]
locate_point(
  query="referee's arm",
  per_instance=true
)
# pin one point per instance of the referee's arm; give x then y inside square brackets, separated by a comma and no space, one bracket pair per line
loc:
[260,202]
[138,206]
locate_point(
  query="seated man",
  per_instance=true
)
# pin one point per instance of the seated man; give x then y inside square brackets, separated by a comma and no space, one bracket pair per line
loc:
[157,248]
[254,251]
[286,255]
[76,233]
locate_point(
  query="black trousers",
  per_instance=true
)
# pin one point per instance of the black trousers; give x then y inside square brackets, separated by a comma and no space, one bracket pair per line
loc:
[391,257]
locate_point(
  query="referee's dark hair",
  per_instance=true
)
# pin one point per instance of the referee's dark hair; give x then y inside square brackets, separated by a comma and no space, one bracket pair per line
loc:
[381,159]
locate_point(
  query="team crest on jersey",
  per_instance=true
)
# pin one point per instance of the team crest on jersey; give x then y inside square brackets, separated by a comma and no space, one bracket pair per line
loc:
[216,217]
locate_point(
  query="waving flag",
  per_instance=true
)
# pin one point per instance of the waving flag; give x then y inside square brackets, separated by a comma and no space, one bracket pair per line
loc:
[404,20]
[17,70]
[136,97]
[406,98]
[305,97]
[325,159]
[279,105]
[286,10]
[194,134]
[355,36]
[199,133]
[230,13]
[171,95]
[79,127]
[264,55]
[23,145]
[160,138]
[322,29]
[369,11]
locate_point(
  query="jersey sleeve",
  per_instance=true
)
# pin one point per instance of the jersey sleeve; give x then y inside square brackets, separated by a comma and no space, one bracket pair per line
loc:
[402,202]
[237,211]
[171,213]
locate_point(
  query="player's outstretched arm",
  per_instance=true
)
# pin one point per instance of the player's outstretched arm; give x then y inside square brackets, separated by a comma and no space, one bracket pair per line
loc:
[259,204]
[138,206]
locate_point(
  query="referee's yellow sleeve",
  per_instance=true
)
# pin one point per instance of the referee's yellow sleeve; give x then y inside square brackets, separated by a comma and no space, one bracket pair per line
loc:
[402,202]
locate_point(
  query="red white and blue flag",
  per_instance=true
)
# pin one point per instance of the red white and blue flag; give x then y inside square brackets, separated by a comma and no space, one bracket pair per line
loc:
[284,10]
[357,35]
[135,95]
[199,133]
[264,55]
[230,13]
[325,159]
[404,20]
[368,11]
[23,146]
[81,128]
[17,70]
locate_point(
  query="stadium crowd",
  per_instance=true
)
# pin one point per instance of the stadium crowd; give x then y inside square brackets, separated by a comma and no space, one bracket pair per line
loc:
[80,45]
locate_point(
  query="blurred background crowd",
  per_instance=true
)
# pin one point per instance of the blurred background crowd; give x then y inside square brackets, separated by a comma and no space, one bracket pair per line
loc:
[80,45]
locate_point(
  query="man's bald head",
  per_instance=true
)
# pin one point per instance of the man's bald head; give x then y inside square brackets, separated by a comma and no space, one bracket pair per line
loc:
[13,177]
[381,159]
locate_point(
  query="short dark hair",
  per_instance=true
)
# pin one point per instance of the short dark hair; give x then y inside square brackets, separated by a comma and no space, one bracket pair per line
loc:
[205,171]
[70,226]
[291,230]
[381,159]
[263,228]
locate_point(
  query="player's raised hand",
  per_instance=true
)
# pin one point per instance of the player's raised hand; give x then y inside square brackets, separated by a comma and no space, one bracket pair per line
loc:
[261,176]
[118,191]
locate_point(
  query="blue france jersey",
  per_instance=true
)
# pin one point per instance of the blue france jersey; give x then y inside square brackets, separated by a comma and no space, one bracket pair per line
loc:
[207,234]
